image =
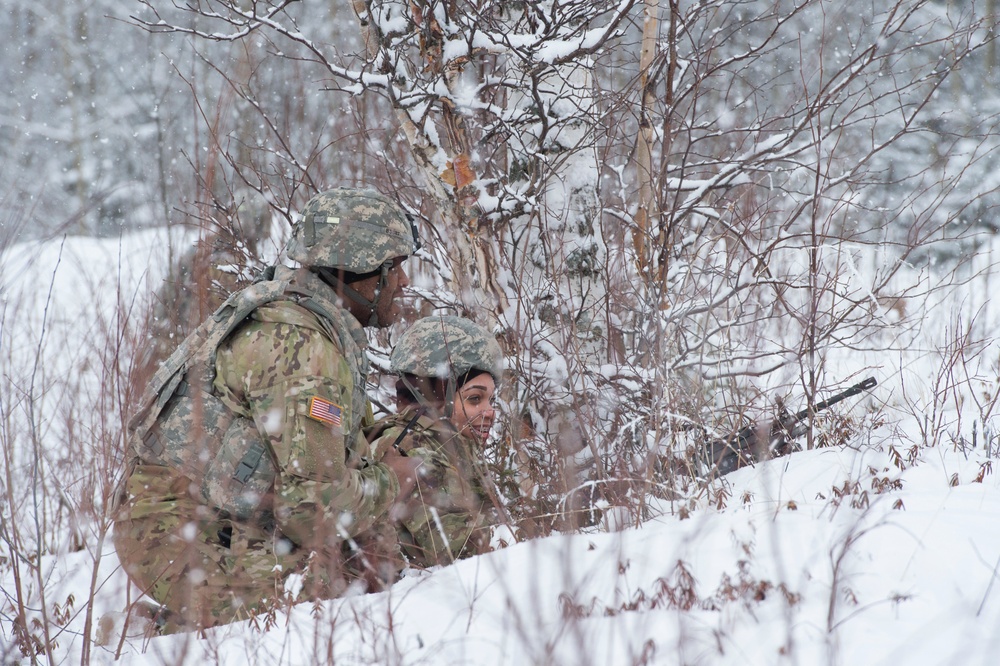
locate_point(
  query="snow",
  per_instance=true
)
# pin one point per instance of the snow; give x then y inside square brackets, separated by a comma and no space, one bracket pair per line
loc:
[880,552]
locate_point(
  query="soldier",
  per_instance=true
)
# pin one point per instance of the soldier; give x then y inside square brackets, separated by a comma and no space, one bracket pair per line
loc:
[248,460]
[447,370]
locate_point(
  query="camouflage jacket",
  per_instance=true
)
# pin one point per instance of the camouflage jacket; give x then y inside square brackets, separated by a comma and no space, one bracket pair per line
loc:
[283,416]
[448,515]
[301,378]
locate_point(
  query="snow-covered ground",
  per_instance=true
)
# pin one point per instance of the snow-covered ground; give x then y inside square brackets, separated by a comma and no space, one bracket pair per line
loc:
[883,552]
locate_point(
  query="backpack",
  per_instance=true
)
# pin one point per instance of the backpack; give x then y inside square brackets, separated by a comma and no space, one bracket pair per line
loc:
[182,424]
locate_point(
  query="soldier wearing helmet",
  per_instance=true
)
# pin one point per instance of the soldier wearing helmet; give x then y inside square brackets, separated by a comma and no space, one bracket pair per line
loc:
[355,243]
[249,461]
[447,369]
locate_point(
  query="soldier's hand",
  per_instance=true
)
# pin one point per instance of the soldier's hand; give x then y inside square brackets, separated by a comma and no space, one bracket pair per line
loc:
[405,469]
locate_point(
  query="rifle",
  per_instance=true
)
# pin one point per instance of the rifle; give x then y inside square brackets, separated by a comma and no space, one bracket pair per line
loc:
[742,448]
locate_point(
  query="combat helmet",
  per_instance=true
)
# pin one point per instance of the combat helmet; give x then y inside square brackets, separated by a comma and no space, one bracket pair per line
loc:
[446,347]
[353,230]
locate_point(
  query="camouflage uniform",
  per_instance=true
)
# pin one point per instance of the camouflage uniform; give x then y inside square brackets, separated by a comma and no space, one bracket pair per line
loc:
[449,513]
[252,465]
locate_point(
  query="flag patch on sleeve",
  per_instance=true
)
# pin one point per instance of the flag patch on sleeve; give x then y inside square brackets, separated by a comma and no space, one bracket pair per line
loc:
[324,410]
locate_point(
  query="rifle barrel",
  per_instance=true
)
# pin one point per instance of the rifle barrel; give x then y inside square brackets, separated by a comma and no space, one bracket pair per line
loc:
[865,385]
[729,455]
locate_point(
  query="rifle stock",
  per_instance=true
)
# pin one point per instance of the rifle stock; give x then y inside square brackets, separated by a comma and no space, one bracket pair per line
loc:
[742,448]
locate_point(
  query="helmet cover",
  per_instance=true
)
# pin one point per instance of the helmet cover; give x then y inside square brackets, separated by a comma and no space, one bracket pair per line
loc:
[352,230]
[446,347]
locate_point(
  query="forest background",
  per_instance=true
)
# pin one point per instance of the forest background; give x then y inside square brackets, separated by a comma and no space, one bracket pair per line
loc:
[678,217]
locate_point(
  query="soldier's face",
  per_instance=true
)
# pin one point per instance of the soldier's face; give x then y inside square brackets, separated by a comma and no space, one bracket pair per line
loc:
[388,305]
[473,411]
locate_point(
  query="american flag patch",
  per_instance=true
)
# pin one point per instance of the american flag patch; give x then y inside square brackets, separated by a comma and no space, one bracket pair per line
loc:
[324,410]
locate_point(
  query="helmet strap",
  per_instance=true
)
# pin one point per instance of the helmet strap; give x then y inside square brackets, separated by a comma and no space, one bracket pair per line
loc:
[332,277]
[431,407]
[418,395]
[383,278]
[449,397]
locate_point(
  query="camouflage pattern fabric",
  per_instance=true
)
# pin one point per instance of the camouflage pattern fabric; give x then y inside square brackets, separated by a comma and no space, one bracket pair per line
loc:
[293,382]
[354,230]
[307,397]
[172,548]
[447,516]
[446,346]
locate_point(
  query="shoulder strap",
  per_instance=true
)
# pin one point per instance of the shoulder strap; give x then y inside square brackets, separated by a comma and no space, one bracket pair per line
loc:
[199,348]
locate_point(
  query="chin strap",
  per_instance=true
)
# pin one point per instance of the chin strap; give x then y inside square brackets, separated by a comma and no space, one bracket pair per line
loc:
[417,394]
[445,410]
[330,277]
[449,398]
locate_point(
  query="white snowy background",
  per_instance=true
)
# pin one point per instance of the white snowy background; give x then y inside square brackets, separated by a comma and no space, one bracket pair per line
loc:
[881,550]
[885,551]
